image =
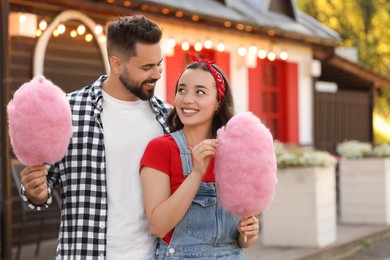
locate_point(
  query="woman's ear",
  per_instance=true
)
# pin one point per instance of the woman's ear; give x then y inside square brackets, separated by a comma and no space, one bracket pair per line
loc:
[218,106]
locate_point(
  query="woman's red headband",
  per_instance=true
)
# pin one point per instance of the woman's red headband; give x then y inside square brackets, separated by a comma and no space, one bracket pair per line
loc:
[221,87]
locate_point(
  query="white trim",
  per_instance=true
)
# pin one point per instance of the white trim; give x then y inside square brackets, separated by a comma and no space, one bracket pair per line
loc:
[40,48]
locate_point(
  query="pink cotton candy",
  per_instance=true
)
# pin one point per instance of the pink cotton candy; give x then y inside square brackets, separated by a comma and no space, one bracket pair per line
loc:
[40,122]
[245,165]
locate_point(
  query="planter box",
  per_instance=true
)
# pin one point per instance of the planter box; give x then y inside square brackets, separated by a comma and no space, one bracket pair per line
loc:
[365,190]
[303,212]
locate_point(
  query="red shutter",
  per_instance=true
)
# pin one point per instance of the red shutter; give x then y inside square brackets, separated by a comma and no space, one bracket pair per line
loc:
[292,103]
[222,59]
[254,79]
[174,66]
[273,96]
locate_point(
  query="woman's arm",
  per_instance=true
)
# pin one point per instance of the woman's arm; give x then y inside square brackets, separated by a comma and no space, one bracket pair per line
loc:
[163,210]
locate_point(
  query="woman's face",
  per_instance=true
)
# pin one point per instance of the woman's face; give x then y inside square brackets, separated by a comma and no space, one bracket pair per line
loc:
[196,97]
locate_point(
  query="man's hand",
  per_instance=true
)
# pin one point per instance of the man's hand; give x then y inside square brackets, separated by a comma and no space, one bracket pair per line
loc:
[33,178]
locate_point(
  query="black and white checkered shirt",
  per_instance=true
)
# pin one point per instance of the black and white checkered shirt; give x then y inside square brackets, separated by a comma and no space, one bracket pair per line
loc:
[82,176]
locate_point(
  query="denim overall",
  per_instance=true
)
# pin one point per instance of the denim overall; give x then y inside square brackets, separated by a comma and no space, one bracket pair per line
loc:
[206,231]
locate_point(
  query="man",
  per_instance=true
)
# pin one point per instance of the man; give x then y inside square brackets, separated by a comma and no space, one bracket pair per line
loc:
[102,214]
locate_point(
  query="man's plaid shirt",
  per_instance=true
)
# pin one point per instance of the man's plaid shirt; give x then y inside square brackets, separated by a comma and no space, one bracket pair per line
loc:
[82,176]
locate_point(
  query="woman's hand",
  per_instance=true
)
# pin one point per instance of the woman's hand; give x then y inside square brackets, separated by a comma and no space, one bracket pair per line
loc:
[202,154]
[248,227]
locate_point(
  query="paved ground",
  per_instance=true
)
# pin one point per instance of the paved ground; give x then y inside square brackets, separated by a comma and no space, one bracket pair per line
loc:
[354,242]
[372,251]
[350,240]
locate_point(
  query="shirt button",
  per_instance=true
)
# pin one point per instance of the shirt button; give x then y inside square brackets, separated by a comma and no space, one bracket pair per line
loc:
[171,250]
[101,226]
[103,200]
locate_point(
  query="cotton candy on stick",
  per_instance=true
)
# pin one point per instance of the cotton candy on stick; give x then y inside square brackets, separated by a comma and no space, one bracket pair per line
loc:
[40,122]
[245,165]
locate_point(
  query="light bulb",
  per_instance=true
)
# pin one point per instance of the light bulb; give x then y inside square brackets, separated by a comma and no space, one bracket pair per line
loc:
[208,44]
[220,47]
[42,24]
[81,29]
[283,55]
[271,56]
[262,54]
[171,43]
[88,37]
[98,29]
[73,33]
[198,46]
[241,51]
[253,50]
[61,28]
[185,46]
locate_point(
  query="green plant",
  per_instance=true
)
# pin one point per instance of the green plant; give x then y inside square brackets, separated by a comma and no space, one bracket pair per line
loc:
[301,157]
[366,243]
[382,150]
[353,149]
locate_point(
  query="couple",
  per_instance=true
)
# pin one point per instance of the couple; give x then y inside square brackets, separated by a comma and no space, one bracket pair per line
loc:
[112,175]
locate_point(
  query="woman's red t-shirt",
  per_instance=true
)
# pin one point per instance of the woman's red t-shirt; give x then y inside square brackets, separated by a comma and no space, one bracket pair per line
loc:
[162,154]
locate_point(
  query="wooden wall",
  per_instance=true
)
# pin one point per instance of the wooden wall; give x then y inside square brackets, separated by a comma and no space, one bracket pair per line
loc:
[344,115]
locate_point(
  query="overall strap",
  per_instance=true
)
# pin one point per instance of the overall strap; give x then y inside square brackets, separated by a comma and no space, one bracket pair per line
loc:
[185,153]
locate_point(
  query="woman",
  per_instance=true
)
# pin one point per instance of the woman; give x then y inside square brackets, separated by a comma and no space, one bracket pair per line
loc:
[177,174]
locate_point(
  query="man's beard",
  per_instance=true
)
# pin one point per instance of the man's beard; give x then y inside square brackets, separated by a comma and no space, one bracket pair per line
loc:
[137,90]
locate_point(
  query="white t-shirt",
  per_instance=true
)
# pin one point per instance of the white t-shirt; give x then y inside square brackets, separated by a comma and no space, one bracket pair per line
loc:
[128,127]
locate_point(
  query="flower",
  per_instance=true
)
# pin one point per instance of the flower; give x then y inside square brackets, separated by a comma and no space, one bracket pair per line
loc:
[301,157]
[353,149]
[382,150]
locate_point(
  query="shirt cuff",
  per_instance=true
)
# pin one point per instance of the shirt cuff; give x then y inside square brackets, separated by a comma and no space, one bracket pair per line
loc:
[31,205]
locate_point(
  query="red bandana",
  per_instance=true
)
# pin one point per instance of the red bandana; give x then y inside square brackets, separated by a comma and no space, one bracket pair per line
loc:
[216,75]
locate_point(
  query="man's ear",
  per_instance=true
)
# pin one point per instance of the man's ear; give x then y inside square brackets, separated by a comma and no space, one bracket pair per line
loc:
[115,64]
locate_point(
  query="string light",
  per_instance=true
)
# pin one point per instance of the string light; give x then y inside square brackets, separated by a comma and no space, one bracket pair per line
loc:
[81,29]
[271,56]
[262,54]
[42,25]
[185,46]
[73,33]
[198,46]
[283,55]
[220,47]
[61,28]
[171,43]
[102,38]
[98,29]
[208,44]
[241,51]
[88,37]
[253,50]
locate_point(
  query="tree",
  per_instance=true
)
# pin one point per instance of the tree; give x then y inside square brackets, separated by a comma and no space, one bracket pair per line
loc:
[361,23]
